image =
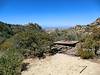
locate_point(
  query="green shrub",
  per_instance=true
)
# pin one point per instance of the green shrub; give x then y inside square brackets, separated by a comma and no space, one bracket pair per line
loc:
[26,53]
[29,43]
[85,54]
[39,53]
[10,63]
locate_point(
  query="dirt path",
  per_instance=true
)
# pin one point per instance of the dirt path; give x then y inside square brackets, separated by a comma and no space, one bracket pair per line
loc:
[61,64]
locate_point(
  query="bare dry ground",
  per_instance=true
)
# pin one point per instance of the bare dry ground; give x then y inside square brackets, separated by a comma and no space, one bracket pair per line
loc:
[61,64]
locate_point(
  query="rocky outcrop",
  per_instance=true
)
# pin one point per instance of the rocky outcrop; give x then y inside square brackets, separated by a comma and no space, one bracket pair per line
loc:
[63,49]
[97,22]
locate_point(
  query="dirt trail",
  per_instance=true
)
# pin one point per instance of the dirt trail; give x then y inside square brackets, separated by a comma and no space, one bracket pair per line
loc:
[61,64]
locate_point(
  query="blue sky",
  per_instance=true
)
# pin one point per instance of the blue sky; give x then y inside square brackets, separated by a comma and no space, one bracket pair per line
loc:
[50,13]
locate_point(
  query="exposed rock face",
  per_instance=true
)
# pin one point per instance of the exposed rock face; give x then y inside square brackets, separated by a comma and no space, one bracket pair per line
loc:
[63,49]
[97,22]
[98,52]
[59,49]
